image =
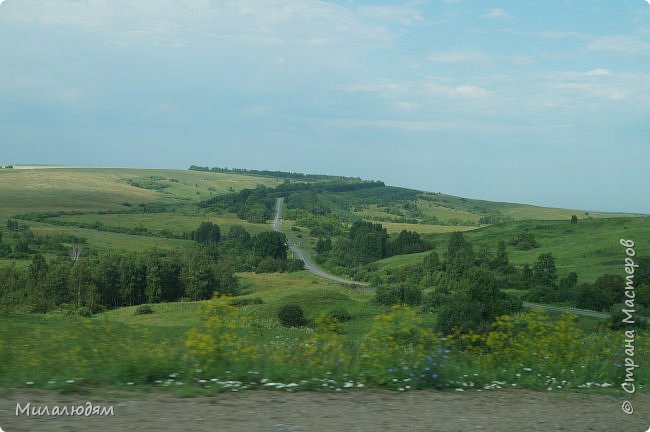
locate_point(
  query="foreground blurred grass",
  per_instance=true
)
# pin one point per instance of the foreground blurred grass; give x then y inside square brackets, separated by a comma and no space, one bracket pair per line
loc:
[189,345]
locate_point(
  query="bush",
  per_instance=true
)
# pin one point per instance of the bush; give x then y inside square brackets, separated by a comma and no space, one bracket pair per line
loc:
[246,301]
[341,315]
[291,315]
[271,265]
[84,312]
[294,265]
[399,294]
[144,309]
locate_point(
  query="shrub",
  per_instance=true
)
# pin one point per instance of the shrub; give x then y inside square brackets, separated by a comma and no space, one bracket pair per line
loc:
[397,341]
[246,301]
[399,294]
[294,265]
[341,315]
[144,309]
[270,265]
[221,341]
[291,315]
[85,312]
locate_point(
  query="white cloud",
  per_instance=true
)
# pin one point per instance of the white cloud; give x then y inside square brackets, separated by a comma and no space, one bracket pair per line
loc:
[403,14]
[497,14]
[317,41]
[573,88]
[622,45]
[465,90]
[598,72]
[454,57]
[406,106]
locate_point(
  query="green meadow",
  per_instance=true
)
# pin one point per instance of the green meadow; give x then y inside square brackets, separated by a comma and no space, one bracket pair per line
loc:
[176,343]
[121,349]
[590,248]
[94,189]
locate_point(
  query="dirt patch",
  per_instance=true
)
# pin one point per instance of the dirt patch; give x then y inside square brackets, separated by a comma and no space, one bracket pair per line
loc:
[366,410]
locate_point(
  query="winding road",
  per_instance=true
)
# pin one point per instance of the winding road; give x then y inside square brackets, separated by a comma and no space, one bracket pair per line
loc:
[583,312]
[309,265]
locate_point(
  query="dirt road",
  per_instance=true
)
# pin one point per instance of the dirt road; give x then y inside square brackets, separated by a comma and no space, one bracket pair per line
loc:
[364,410]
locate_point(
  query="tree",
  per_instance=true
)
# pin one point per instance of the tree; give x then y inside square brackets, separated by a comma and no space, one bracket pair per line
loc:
[399,294]
[75,255]
[12,225]
[207,234]
[524,241]
[270,244]
[456,244]
[369,242]
[544,272]
[197,276]
[153,290]
[567,287]
[133,280]
[291,315]
[407,242]
[239,237]
[38,268]
[500,262]
[431,263]
[323,245]
[81,285]
[475,308]
[55,285]
[107,280]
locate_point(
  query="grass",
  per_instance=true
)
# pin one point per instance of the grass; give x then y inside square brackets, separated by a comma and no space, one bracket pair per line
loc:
[118,347]
[590,248]
[94,189]
[396,227]
[171,221]
[107,241]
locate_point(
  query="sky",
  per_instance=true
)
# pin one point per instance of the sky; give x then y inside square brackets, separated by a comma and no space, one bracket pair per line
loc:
[541,102]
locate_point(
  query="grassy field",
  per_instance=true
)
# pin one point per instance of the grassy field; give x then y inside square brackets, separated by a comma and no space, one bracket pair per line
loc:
[396,227]
[88,189]
[103,240]
[171,221]
[118,348]
[590,247]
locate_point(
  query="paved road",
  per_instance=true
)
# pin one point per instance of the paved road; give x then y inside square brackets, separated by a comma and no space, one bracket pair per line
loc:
[309,265]
[582,312]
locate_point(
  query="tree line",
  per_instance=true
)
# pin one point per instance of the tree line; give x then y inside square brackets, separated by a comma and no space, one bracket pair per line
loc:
[94,281]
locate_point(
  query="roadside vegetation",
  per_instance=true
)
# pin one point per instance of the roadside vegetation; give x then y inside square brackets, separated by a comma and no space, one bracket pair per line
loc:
[120,290]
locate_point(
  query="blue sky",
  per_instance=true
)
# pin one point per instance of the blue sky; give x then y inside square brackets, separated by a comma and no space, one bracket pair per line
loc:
[543,102]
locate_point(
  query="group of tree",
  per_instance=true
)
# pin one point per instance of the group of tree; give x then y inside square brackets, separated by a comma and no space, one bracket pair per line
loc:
[115,279]
[107,280]
[464,288]
[253,205]
[525,240]
[366,242]
[265,252]
[18,241]
[602,295]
